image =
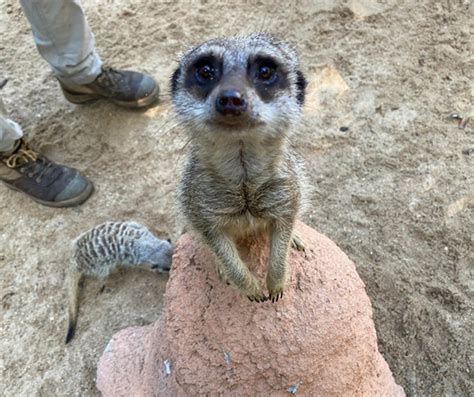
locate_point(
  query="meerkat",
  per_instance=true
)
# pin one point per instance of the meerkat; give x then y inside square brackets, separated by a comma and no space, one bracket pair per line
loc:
[240,100]
[100,250]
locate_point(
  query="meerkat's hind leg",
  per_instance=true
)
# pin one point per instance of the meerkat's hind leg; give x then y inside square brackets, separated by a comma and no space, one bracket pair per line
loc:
[297,242]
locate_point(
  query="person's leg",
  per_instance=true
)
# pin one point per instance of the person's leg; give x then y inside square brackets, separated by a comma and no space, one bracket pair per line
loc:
[25,170]
[64,39]
[10,131]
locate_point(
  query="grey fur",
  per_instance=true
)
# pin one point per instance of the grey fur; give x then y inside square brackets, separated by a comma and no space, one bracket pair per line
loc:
[246,180]
[103,248]
[100,250]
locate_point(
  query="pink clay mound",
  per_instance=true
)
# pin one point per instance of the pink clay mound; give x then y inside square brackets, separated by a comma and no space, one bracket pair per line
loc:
[319,340]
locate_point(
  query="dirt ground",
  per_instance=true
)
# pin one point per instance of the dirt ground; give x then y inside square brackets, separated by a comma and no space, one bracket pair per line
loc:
[395,191]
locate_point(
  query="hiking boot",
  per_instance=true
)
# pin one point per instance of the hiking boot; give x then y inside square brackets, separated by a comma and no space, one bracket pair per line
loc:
[50,184]
[122,87]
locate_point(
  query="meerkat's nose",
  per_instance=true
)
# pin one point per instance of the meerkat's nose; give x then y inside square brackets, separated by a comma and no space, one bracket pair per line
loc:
[231,102]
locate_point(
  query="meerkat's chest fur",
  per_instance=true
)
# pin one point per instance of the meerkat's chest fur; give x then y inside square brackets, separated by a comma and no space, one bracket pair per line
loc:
[240,186]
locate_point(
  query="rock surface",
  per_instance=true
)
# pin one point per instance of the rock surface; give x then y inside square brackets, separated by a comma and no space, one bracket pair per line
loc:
[318,340]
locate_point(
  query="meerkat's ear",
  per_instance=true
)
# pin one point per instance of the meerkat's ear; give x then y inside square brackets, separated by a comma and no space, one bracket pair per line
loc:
[174,80]
[301,84]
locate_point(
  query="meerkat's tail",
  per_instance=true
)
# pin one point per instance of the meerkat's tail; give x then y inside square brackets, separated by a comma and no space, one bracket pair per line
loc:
[74,282]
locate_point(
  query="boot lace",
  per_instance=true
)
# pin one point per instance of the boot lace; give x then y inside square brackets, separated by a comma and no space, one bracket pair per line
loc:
[110,78]
[29,162]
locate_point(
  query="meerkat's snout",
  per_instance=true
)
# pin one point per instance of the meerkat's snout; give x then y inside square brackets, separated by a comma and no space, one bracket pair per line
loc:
[231,102]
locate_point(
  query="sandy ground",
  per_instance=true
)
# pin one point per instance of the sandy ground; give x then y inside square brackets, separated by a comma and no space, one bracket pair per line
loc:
[395,191]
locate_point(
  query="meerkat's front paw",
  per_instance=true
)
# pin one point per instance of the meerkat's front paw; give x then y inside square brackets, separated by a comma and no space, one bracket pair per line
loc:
[275,289]
[297,243]
[275,294]
[254,292]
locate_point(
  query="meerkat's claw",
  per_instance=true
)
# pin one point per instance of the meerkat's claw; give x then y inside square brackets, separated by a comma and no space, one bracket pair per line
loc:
[258,298]
[297,243]
[275,296]
[253,291]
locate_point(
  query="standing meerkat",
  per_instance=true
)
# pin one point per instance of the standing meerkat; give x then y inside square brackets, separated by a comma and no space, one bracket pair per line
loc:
[100,250]
[240,100]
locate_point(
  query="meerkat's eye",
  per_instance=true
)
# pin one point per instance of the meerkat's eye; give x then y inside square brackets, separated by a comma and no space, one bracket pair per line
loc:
[266,72]
[205,72]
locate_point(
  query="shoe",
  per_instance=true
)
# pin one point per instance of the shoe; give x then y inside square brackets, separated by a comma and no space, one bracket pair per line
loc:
[122,87]
[48,183]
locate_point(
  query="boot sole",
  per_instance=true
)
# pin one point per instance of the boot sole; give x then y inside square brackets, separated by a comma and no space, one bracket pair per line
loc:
[75,201]
[80,99]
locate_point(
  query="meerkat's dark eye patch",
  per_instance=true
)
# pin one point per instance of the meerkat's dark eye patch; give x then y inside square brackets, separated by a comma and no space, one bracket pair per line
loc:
[267,75]
[203,75]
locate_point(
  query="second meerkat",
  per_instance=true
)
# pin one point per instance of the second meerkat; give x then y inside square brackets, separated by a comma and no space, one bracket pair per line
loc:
[240,99]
